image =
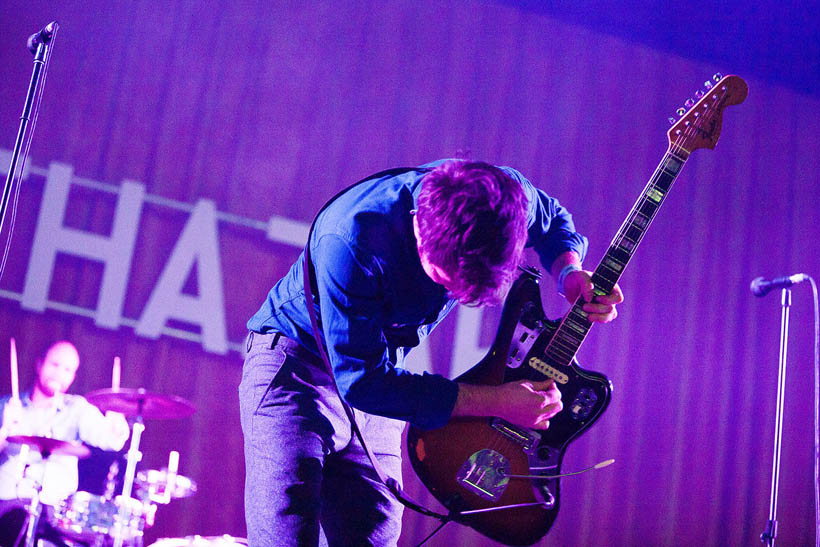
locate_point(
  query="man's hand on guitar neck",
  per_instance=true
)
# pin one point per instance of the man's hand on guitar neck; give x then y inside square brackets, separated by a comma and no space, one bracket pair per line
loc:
[523,403]
[578,282]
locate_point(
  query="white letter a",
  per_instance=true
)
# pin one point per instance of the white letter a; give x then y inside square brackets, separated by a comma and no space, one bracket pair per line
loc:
[198,244]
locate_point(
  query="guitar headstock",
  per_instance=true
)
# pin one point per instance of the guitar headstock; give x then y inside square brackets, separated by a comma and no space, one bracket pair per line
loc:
[699,126]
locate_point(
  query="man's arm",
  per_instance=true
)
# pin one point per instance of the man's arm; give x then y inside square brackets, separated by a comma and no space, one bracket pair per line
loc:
[109,431]
[352,306]
[11,414]
[524,403]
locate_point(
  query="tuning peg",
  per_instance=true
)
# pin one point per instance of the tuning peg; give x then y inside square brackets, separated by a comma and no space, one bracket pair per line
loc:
[717,76]
[672,121]
[689,103]
[699,93]
[680,111]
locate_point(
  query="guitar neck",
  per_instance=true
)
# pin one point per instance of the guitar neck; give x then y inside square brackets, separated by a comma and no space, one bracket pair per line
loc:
[575,325]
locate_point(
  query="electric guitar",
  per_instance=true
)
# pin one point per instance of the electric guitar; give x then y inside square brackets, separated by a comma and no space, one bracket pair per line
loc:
[499,478]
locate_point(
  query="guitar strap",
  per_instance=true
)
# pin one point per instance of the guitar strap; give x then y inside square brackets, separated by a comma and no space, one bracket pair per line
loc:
[309,277]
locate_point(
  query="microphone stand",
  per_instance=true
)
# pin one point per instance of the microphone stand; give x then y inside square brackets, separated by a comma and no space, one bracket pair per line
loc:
[35,90]
[770,532]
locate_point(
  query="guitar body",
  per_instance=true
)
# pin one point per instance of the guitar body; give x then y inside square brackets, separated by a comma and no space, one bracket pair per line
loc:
[470,464]
[459,462]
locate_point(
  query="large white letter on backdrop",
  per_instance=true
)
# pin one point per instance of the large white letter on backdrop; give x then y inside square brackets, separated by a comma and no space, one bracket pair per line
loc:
[198,245]
[52,237]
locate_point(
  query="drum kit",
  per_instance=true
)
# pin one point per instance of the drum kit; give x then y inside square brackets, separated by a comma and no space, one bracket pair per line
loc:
[107,520]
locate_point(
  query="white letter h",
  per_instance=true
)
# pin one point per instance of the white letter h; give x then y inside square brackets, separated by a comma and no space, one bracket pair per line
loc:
[52,237]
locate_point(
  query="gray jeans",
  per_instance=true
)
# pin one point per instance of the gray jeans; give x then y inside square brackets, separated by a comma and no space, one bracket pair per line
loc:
[307,479]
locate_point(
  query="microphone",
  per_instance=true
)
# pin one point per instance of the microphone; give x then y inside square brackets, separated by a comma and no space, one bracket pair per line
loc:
[43,36]
[761,287]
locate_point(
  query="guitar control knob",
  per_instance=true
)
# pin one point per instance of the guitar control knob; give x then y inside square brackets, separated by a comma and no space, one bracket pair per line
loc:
[717,76]
[689,103]
[680,111]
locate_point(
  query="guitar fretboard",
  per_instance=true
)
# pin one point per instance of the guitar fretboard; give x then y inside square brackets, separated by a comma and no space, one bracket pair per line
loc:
[575,326]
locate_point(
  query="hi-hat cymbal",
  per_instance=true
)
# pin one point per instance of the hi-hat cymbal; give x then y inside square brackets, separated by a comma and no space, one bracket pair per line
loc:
[155,482]
[47,446]
[139,402]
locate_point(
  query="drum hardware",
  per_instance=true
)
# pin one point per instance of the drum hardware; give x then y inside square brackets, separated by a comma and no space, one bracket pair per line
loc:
[94,520]
[163,485]
[170,478]
[110,520]
[111,480]
[200,541]
[46,447]
[133,456]
[159,487]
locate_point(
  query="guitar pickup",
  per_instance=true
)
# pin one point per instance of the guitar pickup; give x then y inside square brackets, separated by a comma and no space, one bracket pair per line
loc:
[548,371]
[527,439]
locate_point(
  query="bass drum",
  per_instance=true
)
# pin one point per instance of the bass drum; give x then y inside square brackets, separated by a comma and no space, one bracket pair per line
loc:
[200,541]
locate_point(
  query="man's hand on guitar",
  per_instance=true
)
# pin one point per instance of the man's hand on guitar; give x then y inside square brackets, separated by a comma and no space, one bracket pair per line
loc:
[577,282]
[524,403]
[601,309]
[529,404]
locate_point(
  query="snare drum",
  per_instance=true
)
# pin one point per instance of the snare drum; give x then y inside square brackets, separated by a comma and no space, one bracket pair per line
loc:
[85,517]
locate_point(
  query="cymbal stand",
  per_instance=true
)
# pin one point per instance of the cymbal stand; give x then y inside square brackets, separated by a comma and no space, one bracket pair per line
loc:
[35,508]
[134,456]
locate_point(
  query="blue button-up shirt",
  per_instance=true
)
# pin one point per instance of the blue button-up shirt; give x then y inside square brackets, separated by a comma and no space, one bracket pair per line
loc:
[376,302]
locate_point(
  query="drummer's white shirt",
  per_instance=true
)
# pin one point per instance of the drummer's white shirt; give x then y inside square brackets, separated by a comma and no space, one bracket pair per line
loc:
[67,418]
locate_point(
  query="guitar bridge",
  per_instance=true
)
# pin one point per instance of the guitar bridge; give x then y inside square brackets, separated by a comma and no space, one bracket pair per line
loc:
[485,474]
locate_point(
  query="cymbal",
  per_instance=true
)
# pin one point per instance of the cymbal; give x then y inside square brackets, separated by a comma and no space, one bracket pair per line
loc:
[139,402]
[155,481]
[47,446]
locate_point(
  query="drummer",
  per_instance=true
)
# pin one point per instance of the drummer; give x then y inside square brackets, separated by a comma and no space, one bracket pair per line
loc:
[48,411]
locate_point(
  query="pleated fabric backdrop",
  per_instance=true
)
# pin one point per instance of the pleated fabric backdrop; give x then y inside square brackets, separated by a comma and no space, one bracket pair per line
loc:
[266,109]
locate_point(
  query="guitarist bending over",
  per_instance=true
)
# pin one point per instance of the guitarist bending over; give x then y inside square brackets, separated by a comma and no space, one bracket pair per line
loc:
[391,256]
